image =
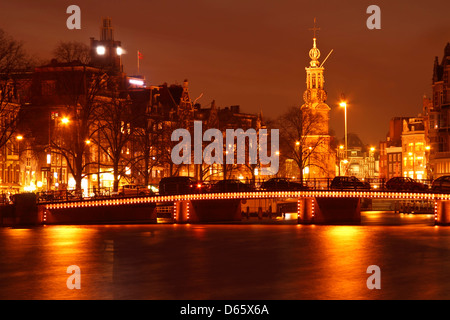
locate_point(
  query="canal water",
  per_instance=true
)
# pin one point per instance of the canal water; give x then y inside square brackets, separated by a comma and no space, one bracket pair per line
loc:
[256,260]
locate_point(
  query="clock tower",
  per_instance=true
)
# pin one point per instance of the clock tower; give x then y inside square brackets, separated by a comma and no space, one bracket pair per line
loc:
[316,115]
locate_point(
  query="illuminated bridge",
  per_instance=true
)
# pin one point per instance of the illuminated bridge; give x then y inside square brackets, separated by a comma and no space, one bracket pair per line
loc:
[313,207]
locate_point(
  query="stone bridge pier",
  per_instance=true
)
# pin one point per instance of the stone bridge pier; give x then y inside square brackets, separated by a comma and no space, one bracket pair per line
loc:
[329,210]
[442,212]
[199,211]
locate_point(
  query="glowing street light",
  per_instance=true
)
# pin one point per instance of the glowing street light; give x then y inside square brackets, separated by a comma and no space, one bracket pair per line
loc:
[339,154]
[19,138]
[101,50]
[343,104]
[119,51]
[65,120]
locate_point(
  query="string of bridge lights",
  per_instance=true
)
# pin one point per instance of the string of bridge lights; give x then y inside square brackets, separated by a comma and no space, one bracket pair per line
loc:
[247,195]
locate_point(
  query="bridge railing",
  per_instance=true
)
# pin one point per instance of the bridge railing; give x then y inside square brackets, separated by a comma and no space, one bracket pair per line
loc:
[73,195]
[90,194]
[314,184]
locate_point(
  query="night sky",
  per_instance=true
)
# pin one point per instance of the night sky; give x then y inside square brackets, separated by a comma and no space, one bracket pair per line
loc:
[253,53]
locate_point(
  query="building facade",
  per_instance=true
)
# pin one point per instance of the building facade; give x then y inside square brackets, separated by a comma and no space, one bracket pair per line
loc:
[414,149]
[394,156]
[436,111]
[392,166]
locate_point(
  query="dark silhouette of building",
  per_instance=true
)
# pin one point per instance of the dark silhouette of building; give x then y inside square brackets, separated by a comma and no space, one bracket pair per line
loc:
[106,53]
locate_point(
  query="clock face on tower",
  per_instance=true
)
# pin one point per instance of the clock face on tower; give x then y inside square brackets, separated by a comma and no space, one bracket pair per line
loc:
[321,95]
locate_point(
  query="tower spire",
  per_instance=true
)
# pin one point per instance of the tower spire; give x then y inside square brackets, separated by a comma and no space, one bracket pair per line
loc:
[314,29]
[314,53]
[106,32]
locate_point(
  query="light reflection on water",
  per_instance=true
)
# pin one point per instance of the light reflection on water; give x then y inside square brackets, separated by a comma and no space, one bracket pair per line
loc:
[229,261]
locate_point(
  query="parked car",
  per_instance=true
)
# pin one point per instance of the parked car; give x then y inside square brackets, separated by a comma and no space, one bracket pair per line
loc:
[405,184]
[71,194]
[131,190]
[179,185]
[231,185]
[349,183]
[441,184]
[281,184]
[45,196]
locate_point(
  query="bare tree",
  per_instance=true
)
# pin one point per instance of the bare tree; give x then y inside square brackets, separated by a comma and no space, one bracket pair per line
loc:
[297,126]
[115,119]
[81,92]
[68,51]
[13,60]
[146,151]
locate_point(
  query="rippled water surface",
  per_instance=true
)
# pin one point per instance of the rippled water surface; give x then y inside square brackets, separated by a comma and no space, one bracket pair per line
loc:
[229,261]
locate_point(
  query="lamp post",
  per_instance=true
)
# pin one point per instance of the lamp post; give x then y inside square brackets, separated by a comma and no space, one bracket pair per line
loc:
[341,147]
[343,104]
[427,162]
[346,166]
[65,121]
[297,151]
[19,138]
[371,163]
[309,163]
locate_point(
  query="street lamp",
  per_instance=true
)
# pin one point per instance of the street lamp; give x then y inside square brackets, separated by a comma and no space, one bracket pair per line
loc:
[339,154]
[371,163]
[343,104]
[19,138]
[309,163]
[427,163]
[65,122]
